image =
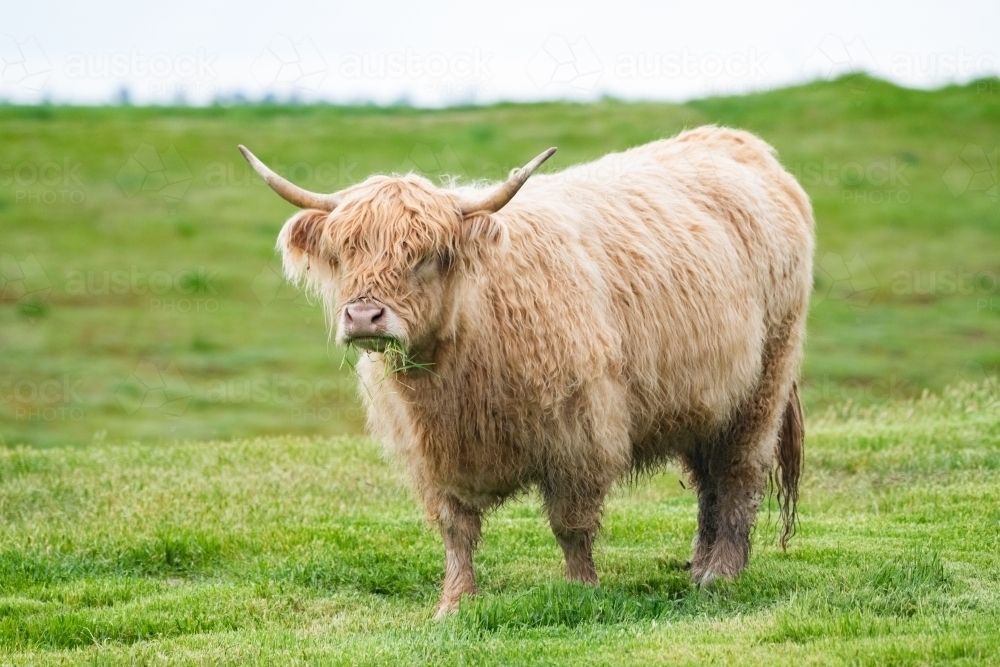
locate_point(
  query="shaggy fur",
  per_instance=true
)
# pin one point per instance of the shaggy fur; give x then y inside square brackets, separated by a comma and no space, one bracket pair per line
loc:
[647,306]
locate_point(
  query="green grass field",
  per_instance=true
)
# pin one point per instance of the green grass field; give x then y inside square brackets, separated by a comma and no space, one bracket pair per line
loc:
[311,551]
[183,472]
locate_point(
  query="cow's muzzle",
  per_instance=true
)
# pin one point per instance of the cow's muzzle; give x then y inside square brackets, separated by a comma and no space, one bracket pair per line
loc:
[369,325]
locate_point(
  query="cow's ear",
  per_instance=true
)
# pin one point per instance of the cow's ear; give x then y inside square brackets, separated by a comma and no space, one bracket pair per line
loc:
[302,243]
[303,233]
[484,229]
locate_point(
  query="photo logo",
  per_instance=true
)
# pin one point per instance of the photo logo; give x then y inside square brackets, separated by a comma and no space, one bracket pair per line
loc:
[44,182]
[269,286]
[973,171]
[23,66]
[49,399]
[24,282]
[149,171]
[289,64]
[559,63]
[987,380]
[834,58]
[147,388]
[423,159]
[850,281]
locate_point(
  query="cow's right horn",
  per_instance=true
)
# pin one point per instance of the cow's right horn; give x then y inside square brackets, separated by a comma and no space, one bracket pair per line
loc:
[287,190]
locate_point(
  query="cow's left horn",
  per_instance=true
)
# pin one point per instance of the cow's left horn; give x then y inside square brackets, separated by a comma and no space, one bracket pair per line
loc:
[288,191]
[497,198]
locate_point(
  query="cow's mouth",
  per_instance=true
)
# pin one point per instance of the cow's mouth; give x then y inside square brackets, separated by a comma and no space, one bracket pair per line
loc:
[373,343]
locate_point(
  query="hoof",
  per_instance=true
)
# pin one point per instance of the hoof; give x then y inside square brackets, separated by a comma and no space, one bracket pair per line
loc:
[705,579]
[444,611]
[449,606]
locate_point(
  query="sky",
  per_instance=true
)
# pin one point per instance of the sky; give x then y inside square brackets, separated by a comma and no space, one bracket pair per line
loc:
[439,53]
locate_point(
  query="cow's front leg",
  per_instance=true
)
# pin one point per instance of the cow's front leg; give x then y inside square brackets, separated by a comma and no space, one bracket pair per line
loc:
[574,511]
[461,528]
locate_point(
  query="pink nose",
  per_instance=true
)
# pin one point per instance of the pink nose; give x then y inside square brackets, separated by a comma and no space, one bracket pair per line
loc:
[362,318]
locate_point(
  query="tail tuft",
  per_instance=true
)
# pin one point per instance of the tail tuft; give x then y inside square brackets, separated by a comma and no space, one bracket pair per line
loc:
[791,446]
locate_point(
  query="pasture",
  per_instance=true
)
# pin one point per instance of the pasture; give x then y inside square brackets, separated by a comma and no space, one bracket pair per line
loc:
[184,475]
[303,550]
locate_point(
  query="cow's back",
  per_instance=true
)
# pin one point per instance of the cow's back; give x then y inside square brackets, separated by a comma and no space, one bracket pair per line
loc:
[684,255]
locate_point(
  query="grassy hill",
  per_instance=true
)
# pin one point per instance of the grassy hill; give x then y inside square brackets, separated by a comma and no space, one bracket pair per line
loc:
[141,299]
[311,551]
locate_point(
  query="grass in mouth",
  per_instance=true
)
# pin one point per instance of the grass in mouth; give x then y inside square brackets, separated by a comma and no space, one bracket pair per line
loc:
[395,360]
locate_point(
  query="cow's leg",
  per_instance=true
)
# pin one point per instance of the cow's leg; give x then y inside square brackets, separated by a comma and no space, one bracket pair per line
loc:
[728,508]
[595,456]
[575,516]
[697,463]
[461,528]
[740,458]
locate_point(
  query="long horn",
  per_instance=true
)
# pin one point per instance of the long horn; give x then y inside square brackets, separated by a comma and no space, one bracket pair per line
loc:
[288,191]
[497,198]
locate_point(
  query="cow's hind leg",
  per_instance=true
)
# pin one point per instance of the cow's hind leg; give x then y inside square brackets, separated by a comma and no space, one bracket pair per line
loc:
[697,463]
[728,503]
[461,528]
[733,466]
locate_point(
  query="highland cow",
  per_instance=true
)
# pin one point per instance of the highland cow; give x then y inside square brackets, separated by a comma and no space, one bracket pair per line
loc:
[646,307]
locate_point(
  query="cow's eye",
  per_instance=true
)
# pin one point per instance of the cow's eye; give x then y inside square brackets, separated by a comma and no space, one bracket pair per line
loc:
[432,265]
[426,269]
[444,260]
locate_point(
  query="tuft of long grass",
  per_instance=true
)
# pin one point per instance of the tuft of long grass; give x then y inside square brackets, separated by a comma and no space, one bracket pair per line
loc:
[395,360]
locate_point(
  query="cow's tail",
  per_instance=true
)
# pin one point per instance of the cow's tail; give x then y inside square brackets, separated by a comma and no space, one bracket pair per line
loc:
[791,445]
